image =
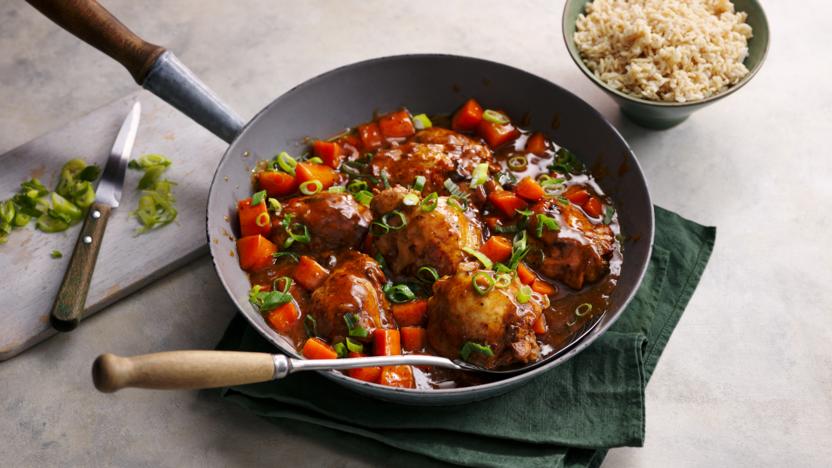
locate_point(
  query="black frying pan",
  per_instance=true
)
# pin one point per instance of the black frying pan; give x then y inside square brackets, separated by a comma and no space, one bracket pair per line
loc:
[327,104]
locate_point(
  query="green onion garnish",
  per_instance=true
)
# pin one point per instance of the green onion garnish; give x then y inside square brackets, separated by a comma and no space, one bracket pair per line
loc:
[384,179]
[471,347]
[311,187]
[583,309]
[411,199]
[379,229]
[502,280]
[459,203]
[495,117]
[149,160]
[364,197]
[422,122]
[427,274]
[608,214]
[286,281]
[267,300]
[340,350]
[429,202]
[419,183]
[524,293]
[353,327]
[315,160]
[387,218]
[354,346]
[545,222]
[519,249]
[476,282]
[310,325]
[486,262]
[297,232]
[258,198]
[292,256]
[262,219]
[517,163]
[480,175]
[56,254]
[286,162]
[357,185]
[337,189]
[398,293]
[454,189]
[274,205]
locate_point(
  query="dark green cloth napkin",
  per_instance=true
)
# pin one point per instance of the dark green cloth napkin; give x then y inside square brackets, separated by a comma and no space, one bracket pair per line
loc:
[566,417]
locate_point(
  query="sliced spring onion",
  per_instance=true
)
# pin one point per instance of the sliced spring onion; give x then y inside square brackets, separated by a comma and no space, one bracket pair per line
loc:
[470,347]
[357,185]
[292,256]
[422,122]
[566,162]
[583,309]
[519,249]
[340,350]
[502,280]
[480,175]
[501,268]
[47,223]
[310,325]
[354,328]
[398,293]
[411,199]
[149,160]
[506,179]
[545,222]
[524,293]
[419,183]
[275,206]
[460,204]
[486,262]
[267,300]
[509,228]
[298,232]
[478,278]
[384,179]
[429,202]
[258,198]
[364,197]
[7,212]
[311,187]
[151,175]
[517,163]
[64,209]
[354,346]
[337,189]
[262,219]
[389,218]
[563,200]
[495,117]
[427,274]
[454,189]
[315,160]
[286,162]
[608,214]
[285,280]
[378,229]
[56,254]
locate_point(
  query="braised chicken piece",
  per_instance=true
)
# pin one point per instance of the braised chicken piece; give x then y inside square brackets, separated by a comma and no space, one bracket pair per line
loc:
[354,287]
[576,254]
[435,153]
[430,238]
[334,221]
[458,314]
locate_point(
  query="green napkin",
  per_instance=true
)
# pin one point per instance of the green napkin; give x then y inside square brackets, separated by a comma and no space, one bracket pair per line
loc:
[566,417]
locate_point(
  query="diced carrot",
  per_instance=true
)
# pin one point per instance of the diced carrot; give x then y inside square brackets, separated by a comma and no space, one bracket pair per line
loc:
[370,136]
[468,117]
[255,252]
[542,287]
[496,134]
[351,139]
[276,184]
[310,171]
[536,144]
[507,202]
[386,342]
[367,374]
[309,273]
[330,152]
[529,189]
[413,338]
[593,207]
[315,348]
[397,376]
[253,219]
[540,326]
[525,274]
[411,313]
[396,124]
[283,317]
[497,248]
[576,194]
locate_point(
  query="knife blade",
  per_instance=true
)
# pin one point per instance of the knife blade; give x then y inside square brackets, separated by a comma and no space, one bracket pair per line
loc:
[72,295]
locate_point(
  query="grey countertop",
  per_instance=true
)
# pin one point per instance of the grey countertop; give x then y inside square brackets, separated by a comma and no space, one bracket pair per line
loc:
[747,377]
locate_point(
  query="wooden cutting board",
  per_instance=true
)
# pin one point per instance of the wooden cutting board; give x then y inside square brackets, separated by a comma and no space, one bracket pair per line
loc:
[30,277]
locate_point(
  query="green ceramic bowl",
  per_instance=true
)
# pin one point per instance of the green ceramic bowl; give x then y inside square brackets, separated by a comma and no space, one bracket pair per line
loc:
[661,115]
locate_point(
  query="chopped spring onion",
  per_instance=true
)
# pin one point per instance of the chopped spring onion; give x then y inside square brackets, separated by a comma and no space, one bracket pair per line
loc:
[378,229]
[563,200]
[459,203]
[583,309]
[298,232]
[354,346]
[478,278]
[337,189]
[454,189]
[495,117]
[357,185]
[429,203]
[286,162]
[354,328]
[151,175]
[502,280]
[422,122]
[401,223]
[545,222]
[608,214]
[506,179]
[480,175]
[285,280]
[486,262]
[471,347]
[363,197]
[427,274]
[311,187]
[262,219]
[501,268]
[49,224]
[56,254]
[398,293]
[566,162]
[267,300]
[419,183]
[64,209]
[384,179]
[411,199]
[292,256]
[340,350]
[258,198]
[509,228]
[149,160]
[275,206]
[315,160]
[517,163]
[519,249]
[524,293]
[310,325]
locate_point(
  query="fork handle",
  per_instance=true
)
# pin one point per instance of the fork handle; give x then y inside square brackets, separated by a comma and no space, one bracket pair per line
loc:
[72,295]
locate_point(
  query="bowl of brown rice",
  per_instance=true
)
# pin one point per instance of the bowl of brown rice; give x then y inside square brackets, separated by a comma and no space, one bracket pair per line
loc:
[661,60]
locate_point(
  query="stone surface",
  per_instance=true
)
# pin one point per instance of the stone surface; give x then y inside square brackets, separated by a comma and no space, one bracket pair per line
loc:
[747,377]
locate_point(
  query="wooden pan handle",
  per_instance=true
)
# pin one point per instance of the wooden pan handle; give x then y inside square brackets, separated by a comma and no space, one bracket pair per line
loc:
[181,370]
[93,24]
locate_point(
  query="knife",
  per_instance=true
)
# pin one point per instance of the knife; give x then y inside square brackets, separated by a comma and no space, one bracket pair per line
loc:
[72,295]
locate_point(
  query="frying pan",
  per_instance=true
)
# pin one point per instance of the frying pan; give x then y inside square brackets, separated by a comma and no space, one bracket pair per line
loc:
[329,103]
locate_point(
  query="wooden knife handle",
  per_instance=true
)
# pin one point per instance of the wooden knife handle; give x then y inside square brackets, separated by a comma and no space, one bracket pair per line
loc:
[93,24]
[181,370]
[69,303]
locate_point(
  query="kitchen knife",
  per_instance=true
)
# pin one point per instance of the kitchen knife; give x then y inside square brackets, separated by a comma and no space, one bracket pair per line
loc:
[72,295]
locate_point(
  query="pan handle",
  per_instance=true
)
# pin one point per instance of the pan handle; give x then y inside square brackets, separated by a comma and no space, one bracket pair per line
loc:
[156,69]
